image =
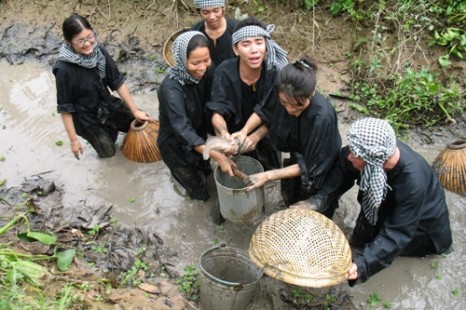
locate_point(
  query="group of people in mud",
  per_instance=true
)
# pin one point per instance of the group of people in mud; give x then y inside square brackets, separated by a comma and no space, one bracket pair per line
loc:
[230,79]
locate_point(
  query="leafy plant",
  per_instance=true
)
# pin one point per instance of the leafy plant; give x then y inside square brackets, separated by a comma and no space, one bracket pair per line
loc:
[300,296]
[414,98]
[189,284]
[131,276]
[374,299]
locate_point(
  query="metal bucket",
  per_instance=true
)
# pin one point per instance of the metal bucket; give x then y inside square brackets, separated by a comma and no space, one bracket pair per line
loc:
[237,204]
[228,279]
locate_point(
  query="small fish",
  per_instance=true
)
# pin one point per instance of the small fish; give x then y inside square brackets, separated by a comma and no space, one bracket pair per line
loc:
[216,143]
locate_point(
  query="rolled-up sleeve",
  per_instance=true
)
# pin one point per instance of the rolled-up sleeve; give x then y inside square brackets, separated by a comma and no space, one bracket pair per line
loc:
[64,91]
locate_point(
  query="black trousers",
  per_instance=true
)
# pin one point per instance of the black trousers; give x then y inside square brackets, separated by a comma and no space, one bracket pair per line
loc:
[102,137]
[193,179]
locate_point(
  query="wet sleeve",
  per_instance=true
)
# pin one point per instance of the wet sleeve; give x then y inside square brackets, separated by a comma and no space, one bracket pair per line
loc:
[114,78]
[175,102]
[221,98]
[321,148]
[397,230]
[64,84]
[266,108]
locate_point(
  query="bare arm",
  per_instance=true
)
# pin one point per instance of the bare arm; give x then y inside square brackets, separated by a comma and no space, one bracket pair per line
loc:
[123,91]
[220,126]
[260,179]
[76,147]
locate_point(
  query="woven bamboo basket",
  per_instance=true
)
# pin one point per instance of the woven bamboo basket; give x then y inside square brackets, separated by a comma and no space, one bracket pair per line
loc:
[167,47]
[301,247]
[140,143]
[450,167]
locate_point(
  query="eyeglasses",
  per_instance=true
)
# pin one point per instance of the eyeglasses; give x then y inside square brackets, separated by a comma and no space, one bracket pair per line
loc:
[81,42]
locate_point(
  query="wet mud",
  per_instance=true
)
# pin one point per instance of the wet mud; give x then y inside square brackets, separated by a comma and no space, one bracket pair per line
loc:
[139,200]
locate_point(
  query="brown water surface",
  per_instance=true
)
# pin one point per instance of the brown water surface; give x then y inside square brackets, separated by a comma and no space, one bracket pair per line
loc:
[143,195]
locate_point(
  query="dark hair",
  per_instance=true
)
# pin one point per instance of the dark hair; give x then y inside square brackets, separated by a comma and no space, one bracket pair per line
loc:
[196,41]
[249,21]
[298,80]
[73,25]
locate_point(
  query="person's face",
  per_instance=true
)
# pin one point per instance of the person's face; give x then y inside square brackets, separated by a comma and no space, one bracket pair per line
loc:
[251,51]
[357,162]
[292,106]
[83,42]
[212,16]
[198,62]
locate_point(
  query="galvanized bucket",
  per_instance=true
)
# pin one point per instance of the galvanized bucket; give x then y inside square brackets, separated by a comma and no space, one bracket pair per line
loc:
[228,279]
[237,204]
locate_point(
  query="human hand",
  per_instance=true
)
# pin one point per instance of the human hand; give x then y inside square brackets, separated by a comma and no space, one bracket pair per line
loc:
[76,148]
[257,180]
[141,116]
[224,162]
[353,272]
[249,144]
[239,137]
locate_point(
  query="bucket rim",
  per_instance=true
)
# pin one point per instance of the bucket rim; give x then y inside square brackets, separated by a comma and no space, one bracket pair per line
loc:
[241,189]
[212,277]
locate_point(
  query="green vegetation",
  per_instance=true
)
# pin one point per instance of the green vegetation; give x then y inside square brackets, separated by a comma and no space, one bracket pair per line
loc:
[189,284]
[21,276]
[374,299]
[384,82]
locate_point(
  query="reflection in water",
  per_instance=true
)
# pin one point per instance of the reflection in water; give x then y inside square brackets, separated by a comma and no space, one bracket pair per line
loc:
[142,194]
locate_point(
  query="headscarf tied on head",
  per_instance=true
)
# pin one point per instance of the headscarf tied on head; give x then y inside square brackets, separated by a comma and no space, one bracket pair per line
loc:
[276,56]
[374,141]
[96,58]
[202,4]
[179,71]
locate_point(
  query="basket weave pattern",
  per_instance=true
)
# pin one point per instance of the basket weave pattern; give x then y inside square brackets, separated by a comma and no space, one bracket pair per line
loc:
[140,143]
[301,247]
[450,167]
[167,47]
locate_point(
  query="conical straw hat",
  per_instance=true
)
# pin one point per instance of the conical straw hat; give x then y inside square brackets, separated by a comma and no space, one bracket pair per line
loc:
[450,167]
[167,47]
[301,247]
[140,143]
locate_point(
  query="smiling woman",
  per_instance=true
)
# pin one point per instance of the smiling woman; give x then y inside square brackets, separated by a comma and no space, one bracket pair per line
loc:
[84,71]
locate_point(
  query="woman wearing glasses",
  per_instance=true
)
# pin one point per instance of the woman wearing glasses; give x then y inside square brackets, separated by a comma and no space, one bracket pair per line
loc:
[84,72]
[304,124]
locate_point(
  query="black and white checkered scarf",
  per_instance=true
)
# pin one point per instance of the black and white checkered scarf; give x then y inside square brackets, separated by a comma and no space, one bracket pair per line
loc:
[202,4]
[97,58]
[374,141]
[179,71]
[276,56]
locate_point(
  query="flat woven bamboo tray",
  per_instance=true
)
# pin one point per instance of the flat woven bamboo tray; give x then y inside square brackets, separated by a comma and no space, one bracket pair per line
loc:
[301,247]
[167,47]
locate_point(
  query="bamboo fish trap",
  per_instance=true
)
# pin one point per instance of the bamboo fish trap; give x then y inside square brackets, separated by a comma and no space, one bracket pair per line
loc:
[167,47]
[450,167]
[301,247]
[140,143]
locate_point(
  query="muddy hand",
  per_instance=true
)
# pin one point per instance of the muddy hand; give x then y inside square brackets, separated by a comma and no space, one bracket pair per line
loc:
[241,175]
[257,180]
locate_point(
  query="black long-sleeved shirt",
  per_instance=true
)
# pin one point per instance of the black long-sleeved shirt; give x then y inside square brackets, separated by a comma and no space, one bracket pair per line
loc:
[183,120]
[414,206]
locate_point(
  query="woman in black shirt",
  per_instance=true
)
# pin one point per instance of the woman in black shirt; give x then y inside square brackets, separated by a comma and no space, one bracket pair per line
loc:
[84,71]
[303,123]
[183,123]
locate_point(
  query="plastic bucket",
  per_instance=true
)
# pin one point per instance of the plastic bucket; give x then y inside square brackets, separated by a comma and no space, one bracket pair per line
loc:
[228,279]
[237,204]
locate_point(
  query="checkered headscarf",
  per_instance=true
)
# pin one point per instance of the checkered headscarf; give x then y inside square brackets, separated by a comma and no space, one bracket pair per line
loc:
[95,59]
[374,141]
[179,71]
[276,56]
[202,4]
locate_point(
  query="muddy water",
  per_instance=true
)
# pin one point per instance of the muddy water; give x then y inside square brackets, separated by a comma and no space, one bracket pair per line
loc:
[142,194]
